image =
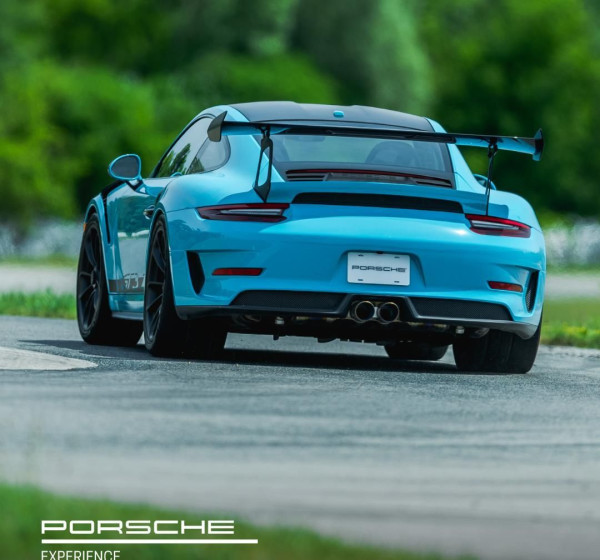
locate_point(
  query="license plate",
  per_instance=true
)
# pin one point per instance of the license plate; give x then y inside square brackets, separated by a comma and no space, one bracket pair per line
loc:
[378,268]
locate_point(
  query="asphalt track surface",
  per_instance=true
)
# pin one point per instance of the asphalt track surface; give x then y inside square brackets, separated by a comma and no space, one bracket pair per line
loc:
[335,437]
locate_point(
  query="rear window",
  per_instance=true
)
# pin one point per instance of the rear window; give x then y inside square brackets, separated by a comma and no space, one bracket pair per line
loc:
[372,152]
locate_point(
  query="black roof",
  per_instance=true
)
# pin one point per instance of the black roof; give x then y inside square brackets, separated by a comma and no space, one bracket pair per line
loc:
[286,111]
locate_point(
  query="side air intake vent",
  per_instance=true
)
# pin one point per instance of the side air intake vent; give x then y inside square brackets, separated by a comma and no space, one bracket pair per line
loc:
[196,272]
[531,291]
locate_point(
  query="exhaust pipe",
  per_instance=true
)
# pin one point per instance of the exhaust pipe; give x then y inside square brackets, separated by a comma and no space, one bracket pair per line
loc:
[362,311]
[388,312]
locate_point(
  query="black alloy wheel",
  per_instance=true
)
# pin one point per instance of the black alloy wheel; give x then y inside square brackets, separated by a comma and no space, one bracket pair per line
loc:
[165,333]
[497,352]
[155,283]
[88,279]
[94,317]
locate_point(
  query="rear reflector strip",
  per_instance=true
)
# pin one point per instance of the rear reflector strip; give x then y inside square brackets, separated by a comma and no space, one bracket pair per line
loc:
[505,286]
[237,271]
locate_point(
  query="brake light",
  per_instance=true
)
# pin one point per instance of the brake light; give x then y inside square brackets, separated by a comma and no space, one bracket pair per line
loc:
[490,225]
[268,212]
[505,286]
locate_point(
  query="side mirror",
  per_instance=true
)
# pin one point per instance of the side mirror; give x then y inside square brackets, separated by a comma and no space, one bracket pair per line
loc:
[126,168]
[482,180]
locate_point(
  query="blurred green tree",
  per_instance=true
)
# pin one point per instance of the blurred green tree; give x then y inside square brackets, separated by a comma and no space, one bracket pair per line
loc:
[61,127]
[82,81]
[22,33]
[86,80]
[258,28]
[371,46]
[221,78]
[509,67]
[134,36]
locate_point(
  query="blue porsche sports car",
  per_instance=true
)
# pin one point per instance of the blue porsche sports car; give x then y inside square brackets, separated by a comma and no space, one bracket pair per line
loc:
[351,223]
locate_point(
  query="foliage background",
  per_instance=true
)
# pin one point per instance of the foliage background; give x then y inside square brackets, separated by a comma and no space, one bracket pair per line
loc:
[82,81]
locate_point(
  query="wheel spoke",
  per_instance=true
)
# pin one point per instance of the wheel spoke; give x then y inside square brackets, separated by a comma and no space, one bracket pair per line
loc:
[96,249]
[89,309]
[96,296]
[91,297]
[154,322]
[158,258]
[162,246]
[86,292]
[155,304]
[155,283]
[155,274]
[89,251]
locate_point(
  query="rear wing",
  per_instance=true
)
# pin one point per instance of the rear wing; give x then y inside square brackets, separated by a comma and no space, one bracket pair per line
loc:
[219,127]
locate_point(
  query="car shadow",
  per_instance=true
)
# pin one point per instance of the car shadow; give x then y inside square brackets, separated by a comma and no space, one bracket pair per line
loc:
[138,352]
[264,358]
[322,360]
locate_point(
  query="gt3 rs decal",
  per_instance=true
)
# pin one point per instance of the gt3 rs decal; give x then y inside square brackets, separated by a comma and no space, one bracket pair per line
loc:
[131,283]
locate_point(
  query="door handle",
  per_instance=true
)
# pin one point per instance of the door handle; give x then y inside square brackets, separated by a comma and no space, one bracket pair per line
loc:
[148,212]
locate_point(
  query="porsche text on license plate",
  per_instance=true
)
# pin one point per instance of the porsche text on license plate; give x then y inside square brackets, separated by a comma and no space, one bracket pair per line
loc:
[378,268]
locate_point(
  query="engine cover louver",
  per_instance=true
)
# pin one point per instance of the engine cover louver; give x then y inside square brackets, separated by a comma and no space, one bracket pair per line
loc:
[302,175]
[364,175]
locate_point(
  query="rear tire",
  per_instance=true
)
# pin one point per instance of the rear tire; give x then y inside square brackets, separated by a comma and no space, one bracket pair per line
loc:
[415,351]
[165,334]
[497,352]
[94,317]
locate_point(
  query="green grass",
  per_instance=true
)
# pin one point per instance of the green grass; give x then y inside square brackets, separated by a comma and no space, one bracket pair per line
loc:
[38,304]
[574,269]
[23,508]
[572,322]
[65,261]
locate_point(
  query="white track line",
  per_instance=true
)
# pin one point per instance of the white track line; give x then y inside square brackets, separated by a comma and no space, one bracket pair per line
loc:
[16,359]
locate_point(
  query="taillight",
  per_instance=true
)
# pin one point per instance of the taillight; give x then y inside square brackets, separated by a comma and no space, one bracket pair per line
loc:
[245,212]
[489,225]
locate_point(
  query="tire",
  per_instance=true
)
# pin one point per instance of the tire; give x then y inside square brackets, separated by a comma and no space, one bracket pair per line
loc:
[415,351]
[94,317]
[165,334]
[497,352]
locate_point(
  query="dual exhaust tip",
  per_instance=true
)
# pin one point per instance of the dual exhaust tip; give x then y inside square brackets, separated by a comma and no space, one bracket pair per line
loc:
[385,313]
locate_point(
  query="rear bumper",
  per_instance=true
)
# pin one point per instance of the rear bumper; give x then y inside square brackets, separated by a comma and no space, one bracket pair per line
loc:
[465,313]
[308,254]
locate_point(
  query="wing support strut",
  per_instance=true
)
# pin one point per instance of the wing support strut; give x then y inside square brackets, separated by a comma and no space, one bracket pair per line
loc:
[266,149]
[492,151]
